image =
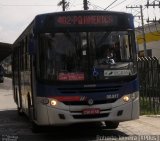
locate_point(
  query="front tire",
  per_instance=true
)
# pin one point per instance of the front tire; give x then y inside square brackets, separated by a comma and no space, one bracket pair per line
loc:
[20,111]
[111,125]
[19,104]
[35,128]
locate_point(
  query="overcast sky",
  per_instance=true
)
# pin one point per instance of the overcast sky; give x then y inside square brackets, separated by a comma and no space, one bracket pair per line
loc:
[15,15]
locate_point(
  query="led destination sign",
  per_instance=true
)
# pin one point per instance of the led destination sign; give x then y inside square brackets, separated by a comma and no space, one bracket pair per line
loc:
[86,20]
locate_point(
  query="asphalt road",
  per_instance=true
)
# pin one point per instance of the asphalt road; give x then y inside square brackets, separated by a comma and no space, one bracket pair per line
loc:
[18,128]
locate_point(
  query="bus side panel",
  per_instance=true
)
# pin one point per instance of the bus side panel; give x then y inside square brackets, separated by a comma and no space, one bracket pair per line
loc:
[136,108]
[41,112]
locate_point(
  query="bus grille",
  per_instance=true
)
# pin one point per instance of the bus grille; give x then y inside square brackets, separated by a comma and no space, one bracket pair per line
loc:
[88,90]
[86,103]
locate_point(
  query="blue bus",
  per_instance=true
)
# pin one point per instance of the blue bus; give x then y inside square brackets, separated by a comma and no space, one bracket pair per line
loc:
[77,67]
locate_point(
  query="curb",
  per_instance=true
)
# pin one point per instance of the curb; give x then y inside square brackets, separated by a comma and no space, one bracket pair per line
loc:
[154,116]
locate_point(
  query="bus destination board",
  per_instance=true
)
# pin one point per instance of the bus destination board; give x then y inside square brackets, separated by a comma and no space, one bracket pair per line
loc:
[85,20]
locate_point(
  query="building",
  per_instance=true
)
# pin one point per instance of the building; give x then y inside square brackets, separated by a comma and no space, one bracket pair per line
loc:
[5,56]
[152,35]
[5,50]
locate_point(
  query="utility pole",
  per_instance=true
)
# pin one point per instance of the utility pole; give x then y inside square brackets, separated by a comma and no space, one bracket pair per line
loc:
[154,5]
[64,5]
[143,31]
[85,4]
[153,21]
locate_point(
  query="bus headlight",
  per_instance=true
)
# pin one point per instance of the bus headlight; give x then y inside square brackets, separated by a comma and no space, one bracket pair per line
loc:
[126,98]
[53,102]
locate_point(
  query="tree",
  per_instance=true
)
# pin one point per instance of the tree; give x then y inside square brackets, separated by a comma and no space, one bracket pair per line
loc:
[64,5]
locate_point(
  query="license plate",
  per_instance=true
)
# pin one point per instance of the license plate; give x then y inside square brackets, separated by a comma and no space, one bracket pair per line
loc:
[91,111]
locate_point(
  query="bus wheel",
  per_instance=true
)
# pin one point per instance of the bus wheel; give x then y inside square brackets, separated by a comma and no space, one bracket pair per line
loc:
[29,108]
[20,112]
[111,125]
[35,128]
[19,107]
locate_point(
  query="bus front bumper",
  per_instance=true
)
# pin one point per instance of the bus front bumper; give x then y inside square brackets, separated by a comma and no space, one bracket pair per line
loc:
[108,112]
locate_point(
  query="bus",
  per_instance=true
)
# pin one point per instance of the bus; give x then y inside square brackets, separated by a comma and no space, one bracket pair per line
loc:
[77,67]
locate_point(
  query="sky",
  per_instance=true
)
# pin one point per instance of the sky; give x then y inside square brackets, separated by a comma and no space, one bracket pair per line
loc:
[15,15]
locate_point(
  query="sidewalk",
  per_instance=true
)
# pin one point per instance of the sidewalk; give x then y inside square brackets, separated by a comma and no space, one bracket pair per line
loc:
[153,116]
[145,125]
[6,95]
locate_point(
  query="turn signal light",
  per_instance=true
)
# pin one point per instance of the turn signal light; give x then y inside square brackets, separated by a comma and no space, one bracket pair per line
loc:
[45,101]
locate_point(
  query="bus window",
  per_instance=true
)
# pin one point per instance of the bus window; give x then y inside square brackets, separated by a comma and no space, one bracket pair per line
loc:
[61,54]
[114,45]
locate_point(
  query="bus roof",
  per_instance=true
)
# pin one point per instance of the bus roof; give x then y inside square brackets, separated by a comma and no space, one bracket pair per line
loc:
[85,12]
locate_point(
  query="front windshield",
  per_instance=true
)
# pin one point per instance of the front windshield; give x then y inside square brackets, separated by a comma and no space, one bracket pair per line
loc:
[83,56]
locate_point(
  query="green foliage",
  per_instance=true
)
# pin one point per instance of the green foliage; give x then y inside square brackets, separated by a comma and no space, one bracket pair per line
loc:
[149,107]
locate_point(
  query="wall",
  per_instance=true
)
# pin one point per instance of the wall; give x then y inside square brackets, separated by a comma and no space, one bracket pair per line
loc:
[152,34]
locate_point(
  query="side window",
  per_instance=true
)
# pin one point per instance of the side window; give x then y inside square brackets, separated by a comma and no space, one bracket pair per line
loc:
[21,52]
[27,56]
[41,57]
[50,58]
[24,54]
[46,57]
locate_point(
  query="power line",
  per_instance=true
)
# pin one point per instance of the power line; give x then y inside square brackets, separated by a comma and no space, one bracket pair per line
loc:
[72,4]
[110,5]
[96,6]
[153,4]
[24,5]
[143,32]
[117,4]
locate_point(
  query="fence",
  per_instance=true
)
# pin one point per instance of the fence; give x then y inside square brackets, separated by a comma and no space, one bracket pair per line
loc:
[149,76]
